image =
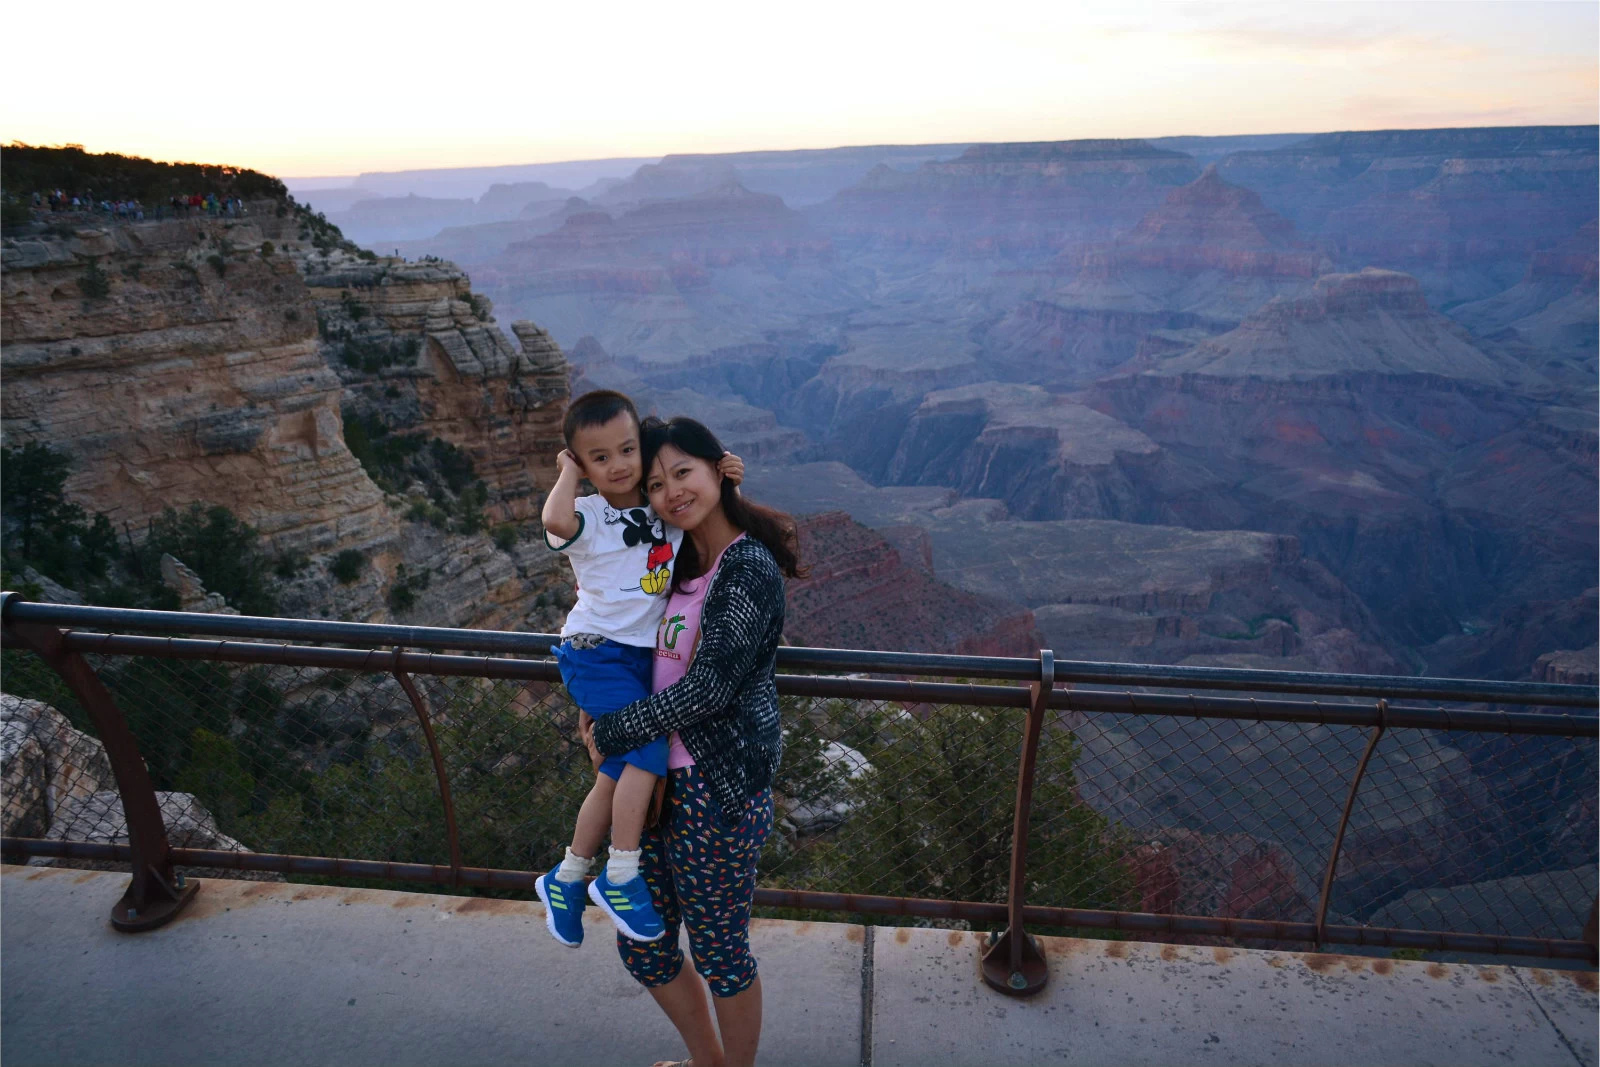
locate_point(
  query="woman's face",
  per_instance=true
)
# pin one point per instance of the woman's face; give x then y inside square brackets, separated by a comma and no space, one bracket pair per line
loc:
[683,489]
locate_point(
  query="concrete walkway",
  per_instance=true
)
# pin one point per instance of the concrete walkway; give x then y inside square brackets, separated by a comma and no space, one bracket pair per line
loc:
[261,972]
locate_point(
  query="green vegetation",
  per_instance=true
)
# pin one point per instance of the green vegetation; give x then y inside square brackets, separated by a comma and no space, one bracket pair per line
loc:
[346,567]
[45,531]
[932,817]
[218,263]
[324,236]
[1255,625]
[395,461]
[33,169]
[94,283]
[370,357]
[403,594]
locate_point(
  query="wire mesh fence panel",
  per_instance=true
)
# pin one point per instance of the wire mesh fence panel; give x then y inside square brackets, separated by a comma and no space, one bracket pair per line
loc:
[1474,832]
[311,761]
[517,776]
[895,799]
[1217,818]
[58,782]
[1471,832]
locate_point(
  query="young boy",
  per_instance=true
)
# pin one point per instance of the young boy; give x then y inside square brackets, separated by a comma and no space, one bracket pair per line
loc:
[622,556]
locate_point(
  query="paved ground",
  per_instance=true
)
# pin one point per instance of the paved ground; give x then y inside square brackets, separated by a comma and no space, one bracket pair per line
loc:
[260,972]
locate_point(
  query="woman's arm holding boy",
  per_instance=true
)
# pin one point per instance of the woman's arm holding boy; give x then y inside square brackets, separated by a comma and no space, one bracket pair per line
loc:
[745,599]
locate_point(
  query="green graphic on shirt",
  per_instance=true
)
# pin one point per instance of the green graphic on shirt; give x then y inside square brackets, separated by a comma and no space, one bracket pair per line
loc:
[675,626]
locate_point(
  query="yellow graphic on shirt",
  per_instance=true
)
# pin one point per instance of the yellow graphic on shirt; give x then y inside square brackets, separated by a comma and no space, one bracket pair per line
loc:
[655,583]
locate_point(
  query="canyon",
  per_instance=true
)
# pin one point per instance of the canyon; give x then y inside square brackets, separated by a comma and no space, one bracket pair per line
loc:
[1318,403]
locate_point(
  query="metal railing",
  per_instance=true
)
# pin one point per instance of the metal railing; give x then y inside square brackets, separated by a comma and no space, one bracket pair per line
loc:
[1167,802]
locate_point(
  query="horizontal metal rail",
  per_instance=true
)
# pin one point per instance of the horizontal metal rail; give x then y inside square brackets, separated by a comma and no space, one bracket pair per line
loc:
[407,650]
[820,659]
[852,903]
[1167,704]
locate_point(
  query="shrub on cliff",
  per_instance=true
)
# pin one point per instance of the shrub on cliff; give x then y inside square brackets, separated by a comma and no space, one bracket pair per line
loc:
[224,551]
[94,283]
[347,565]
[46,531]
[396,461]
[931,816]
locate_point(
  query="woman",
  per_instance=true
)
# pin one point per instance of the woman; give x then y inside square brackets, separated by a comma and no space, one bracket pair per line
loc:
[717,703]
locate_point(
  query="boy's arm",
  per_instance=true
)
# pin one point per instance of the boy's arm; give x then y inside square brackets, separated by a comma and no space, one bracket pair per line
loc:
[560,514]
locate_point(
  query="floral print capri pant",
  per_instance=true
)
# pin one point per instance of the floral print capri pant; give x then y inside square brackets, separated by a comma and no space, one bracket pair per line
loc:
[702,874]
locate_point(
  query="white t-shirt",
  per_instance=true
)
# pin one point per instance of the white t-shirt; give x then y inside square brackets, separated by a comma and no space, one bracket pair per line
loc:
[623,562]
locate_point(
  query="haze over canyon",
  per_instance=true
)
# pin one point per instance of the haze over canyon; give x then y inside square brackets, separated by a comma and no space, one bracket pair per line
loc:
[1322,401]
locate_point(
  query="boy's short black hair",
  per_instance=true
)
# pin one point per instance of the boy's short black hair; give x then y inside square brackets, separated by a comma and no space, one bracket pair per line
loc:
[596,408]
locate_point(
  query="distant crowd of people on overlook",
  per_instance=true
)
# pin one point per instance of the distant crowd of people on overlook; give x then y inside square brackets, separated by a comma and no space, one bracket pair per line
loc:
[176,207]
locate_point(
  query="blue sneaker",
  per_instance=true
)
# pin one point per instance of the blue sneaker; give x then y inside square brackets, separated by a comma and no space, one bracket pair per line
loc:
[563,907]
[629,906]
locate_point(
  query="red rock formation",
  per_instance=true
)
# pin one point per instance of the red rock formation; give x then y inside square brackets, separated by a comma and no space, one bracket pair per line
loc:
[1234,876]
[860,594]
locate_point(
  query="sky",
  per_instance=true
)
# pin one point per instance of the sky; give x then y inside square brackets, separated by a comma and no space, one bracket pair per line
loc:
[337,88]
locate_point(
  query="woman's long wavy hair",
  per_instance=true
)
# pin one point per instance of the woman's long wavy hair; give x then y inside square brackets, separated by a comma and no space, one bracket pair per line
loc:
[772,528]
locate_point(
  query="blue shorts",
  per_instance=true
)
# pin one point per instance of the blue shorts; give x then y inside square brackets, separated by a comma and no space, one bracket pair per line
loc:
[603,679]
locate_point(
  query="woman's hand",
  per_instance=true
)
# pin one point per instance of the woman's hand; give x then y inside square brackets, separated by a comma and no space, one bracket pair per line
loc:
[586,735]
[731,467]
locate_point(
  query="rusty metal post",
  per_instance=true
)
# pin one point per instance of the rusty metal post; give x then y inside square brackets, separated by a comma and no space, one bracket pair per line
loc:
[1591,931]
[1344,821]
[420,704]
[156,893]
[1012,963]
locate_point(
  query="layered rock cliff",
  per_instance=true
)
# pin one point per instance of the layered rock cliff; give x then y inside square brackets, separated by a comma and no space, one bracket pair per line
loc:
[861,593]
[197,374]
[200,361]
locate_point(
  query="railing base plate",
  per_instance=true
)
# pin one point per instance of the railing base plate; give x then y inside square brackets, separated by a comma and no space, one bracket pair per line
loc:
[128,917]
[1027,980]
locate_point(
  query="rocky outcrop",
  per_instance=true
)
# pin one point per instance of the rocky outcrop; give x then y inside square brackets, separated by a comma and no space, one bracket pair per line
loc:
[1236,876]
[1464,210]
[192,595]
[1550,316]
[1375,322]
[1045,455]
[861,594]
[196,377]
[1205,258]
[414,345]
[1357,418]
[212,361]
[1110,590]
[1580,666]
[46,764]
[1010,199]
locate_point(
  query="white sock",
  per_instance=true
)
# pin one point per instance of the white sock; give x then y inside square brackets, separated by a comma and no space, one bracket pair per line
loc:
[573,868]
[621,866]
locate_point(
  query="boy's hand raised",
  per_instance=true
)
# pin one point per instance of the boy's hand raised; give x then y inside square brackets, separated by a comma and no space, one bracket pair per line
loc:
[731,467]
[565,461]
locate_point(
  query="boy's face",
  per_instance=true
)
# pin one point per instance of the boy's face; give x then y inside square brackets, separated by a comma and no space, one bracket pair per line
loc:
[609,454]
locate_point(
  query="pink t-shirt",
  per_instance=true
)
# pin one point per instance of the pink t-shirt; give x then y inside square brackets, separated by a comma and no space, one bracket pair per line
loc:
[677,637]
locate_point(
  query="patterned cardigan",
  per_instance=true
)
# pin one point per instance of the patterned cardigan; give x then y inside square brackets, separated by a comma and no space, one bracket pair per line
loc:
[725,708]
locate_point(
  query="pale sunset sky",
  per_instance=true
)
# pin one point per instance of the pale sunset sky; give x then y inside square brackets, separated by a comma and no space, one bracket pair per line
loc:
[336,88]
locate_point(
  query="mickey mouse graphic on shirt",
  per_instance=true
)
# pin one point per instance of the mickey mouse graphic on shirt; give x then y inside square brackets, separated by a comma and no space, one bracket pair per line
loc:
[638,528]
